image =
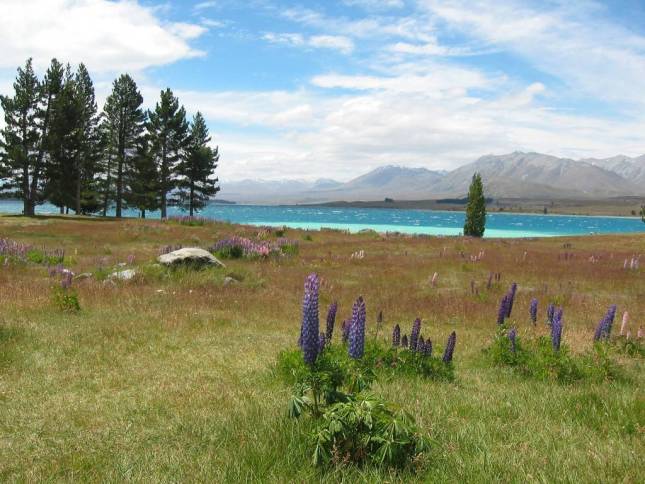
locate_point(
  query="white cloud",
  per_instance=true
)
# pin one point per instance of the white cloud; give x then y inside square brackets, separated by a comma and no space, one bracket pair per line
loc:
[108,36]
[335,42]
[375,4]
[576,44]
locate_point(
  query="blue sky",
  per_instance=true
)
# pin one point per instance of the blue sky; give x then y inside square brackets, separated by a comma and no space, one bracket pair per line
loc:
[308,89]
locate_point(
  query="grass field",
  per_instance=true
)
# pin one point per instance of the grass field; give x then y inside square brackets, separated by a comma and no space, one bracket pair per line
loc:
[169,377]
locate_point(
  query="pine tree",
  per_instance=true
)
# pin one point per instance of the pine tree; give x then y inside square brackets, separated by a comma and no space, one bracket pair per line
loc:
[89,144]
[476,209]
[142,180]
[168,131]
[20,139]
[197,182]
[62,145]
[124,124]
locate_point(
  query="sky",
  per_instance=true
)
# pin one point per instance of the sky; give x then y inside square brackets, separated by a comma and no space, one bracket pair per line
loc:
[332,89]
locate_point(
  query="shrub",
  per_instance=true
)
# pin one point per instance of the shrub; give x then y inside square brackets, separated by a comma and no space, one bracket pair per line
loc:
[330,383]
[365,429]
[66,300]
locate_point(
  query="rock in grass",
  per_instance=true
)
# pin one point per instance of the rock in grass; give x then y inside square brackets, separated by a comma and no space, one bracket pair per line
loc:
[189,256]
[228,280]
[125,275]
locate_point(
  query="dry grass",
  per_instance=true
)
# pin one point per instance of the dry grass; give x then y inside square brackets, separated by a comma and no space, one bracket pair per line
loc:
[168,378]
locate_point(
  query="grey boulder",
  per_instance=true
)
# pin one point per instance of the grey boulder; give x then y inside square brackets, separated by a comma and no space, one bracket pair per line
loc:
[189,256]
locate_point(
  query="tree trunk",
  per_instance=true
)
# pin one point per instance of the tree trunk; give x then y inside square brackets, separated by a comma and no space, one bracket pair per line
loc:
[192,194]
[119,187]
[78,194]
[143,214]
[61,210]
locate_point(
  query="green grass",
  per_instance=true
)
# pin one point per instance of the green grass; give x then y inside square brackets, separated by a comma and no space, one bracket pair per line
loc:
[171,377]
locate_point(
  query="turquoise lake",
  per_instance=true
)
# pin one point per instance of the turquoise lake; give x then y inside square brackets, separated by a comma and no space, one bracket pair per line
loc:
[391,220]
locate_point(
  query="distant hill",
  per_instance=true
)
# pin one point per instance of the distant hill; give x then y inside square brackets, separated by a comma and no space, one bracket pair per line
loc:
[515,175]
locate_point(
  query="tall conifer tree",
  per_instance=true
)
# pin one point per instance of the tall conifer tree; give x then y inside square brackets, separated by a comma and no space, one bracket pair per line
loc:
[476,209]
[142,180]
[197,181]
[21,139]
[124,124]
[168,131]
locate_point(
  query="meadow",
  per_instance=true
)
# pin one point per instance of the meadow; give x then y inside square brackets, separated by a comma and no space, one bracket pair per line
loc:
[171,376]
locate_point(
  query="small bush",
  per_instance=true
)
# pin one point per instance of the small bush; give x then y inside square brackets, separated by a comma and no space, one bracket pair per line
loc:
[364,430]
[66,300]
[538,359]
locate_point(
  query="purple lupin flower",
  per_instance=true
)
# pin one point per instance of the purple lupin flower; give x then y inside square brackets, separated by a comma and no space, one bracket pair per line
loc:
[357,332]
[310,323]
[322,341]
[428,349]
[603,330]
[421,345]
[331,319]
[404,341]
[556,330]
[396,336]
[533,310]
[66,281]
[512,335]
[550,313]
[414,335]
[450,347]
[347,324]
[501,313]
[511,299]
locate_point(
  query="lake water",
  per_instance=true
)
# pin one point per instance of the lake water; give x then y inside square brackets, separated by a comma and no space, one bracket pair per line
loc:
[390,220]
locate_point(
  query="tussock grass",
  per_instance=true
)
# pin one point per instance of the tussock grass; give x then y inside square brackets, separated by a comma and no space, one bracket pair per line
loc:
[169,377]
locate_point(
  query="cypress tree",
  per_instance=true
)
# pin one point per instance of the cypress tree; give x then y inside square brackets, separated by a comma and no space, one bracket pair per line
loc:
[168,131]
[476,209]
[124,124]
[197,182]
[20,139]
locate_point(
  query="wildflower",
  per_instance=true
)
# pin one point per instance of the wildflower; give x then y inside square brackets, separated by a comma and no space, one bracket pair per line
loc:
[310,323]
[421,344]
[489,283]
[66,281]
[428,349]
[131,259]
[396,336]
[623,326]
[533,310]
[511,299]
[357,333]
[556,330]
[322,341]
[331,319]
[347,325]
[639,335]
[404,341]
[550,312]
[503,311]
[450,347]
[414,335]
[603,330]
[379,318]
[512,335]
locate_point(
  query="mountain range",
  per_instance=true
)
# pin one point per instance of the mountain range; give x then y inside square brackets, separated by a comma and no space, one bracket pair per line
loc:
[515,175]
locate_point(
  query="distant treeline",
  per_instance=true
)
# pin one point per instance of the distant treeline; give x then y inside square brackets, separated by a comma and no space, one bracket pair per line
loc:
[56,146]
[460,201]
